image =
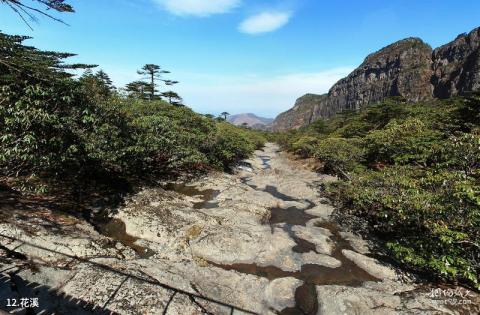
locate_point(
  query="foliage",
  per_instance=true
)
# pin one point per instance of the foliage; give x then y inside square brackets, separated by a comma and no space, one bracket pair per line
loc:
[340,155]
[57,127]
[410,141]
[152,73]
[25,11]
[232,144]
[412,172]
[305,146]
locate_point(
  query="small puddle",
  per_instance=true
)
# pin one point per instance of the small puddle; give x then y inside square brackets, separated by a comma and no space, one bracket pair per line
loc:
[265,161]
[272,190]
[348,274]
[207,195]
[312,275]
[290,216]
[309,273]
[117,230]
[303,246]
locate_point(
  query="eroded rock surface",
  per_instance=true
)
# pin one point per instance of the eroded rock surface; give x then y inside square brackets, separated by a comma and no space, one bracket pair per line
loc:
[260,241]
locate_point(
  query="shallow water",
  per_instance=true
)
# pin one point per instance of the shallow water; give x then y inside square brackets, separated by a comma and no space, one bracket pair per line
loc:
[207,195]
[265,161]
[312,275]
[117,230]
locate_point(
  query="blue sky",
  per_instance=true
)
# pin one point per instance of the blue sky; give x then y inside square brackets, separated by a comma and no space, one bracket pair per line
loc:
[243,55]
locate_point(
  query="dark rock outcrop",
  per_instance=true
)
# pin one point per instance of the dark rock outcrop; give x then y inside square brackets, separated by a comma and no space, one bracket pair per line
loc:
[401,69]
[408,68]
[456,66]
[306,109]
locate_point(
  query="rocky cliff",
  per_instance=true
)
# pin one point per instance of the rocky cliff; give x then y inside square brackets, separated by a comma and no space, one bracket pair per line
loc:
[408,68]
[303,113]
[456,66]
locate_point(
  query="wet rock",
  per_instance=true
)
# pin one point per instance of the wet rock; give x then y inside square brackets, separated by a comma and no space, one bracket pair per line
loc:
[323,211]
[228,245]
[312,258]
[280,293]
[345,300]
[370,265]
[318,236]
[378,299]
[356,242]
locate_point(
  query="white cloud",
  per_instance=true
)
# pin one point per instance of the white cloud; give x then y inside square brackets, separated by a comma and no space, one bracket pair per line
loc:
[264,22]
[200,8]
[267,96]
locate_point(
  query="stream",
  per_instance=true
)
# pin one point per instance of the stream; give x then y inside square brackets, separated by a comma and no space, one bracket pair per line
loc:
[260,240]
[285,218]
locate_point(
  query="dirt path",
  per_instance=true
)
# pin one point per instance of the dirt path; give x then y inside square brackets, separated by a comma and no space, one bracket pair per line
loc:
[260,240]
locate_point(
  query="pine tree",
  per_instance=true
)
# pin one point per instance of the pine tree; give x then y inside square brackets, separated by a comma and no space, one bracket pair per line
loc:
[25,62]
[103,77]
[138,89]
[153,73]
[173,98]
[25,11]
[224,115]
[98,86]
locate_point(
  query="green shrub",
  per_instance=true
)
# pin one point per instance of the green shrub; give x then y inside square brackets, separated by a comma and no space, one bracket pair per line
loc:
[340,155]
[57,127]
[404,142]
[462,152]
[304,146]
[232,145]
[430,220]
[412,172]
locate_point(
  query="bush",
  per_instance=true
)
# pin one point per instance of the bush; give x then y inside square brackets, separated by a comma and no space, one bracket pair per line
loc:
[305,146]
[404,142]
[232,145]
[57,127]
[341,156]
[412,172]
[462,152]
[430,220]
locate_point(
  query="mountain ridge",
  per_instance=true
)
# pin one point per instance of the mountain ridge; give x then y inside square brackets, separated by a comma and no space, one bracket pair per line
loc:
[251,120]
[408,68]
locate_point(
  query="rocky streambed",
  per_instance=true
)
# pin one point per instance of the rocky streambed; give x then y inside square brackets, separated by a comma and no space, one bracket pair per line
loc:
[259,241]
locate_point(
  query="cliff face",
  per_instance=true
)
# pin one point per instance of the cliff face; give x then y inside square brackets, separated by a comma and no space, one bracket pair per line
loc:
[306,109]
[456,66]
[401,69]
[408,68]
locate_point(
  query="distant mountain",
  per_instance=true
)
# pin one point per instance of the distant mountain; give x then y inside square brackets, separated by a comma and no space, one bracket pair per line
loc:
[251,120]
[408,68]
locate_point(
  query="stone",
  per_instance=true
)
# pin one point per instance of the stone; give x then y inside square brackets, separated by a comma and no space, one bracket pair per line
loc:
[312,258]
[230,253]
[280,293]
[456,66]
[356,242]
[370,265]
[342,300]
[318,236]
